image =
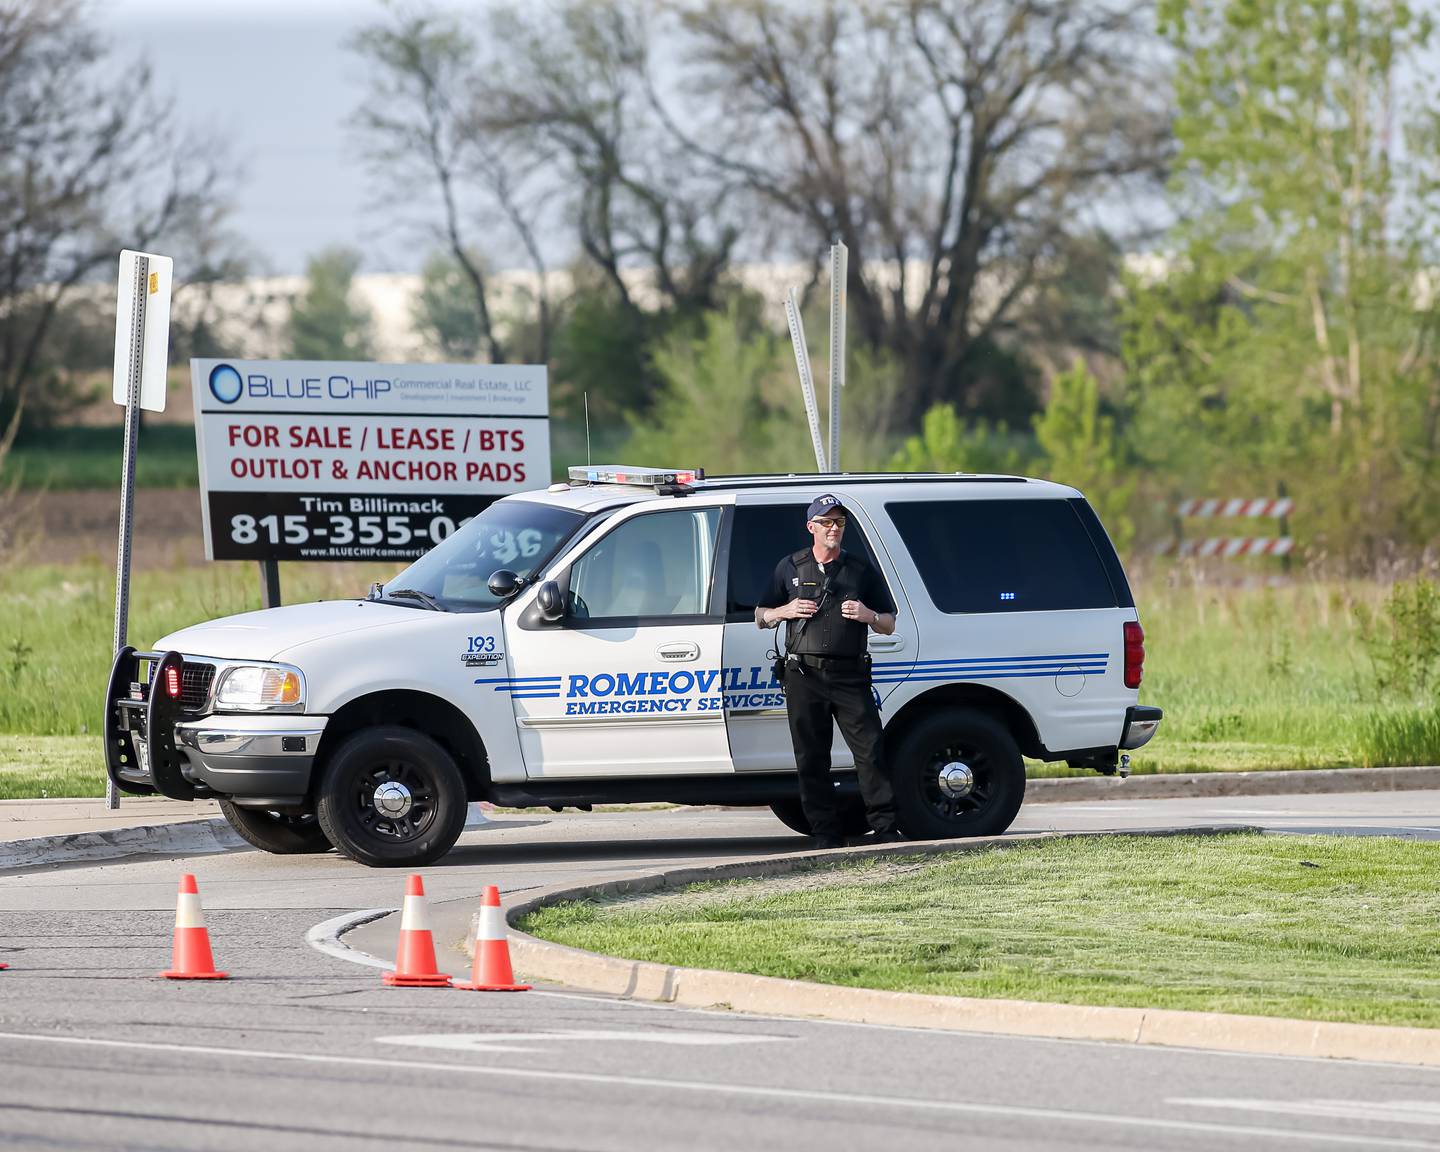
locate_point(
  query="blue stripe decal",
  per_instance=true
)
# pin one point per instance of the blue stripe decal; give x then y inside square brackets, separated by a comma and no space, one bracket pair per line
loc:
[535,696]
[992,664]
[1063,657]
[520,680]
[978,676]
[980,670]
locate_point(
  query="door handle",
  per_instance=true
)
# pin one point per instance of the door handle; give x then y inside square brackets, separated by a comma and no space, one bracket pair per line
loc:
[674,652]
[886,643]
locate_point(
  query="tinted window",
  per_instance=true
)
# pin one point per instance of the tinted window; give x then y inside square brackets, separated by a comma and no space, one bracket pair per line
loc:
[762,536]
[514,534]
[659,564]
[1003,555]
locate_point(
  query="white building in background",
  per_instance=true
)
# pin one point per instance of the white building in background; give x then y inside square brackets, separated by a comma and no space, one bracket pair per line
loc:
[390,299]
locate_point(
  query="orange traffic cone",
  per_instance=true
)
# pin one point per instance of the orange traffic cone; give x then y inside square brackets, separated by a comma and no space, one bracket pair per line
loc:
[491,971]
[415,958]
[191,953]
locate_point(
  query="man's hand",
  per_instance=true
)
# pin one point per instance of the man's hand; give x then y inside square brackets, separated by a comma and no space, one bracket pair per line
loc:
[882,622]
[797,610]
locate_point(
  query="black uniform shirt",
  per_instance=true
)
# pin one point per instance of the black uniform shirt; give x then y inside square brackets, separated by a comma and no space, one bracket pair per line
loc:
[827,633]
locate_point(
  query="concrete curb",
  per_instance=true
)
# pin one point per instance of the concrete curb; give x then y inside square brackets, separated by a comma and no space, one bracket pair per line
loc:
[189,837]
[1294,782]
[772,996]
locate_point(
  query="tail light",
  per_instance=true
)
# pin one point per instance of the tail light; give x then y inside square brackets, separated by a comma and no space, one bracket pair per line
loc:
[1134,654]
[172,681]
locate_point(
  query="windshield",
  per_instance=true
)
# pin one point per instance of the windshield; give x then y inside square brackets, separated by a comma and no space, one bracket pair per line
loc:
[516,534]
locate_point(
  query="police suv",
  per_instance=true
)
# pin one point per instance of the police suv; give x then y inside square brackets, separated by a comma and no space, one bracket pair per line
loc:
[596,643]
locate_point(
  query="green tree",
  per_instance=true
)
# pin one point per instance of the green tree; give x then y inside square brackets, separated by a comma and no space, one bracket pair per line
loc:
[727,400]
[445,312]
[1291,332]
[325,323]
[947,444]
[1081,449]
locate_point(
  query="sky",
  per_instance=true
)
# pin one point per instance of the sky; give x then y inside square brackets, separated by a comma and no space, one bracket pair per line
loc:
[275,82]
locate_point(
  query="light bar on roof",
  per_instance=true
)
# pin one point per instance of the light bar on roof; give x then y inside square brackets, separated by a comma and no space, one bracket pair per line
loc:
[639,477]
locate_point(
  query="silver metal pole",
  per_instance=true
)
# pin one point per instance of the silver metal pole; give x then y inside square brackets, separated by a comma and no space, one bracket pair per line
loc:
[839,267]
[807,382]
[127,482]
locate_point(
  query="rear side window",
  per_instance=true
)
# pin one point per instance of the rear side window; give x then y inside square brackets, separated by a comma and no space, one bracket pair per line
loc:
[1003,555]
[763,535]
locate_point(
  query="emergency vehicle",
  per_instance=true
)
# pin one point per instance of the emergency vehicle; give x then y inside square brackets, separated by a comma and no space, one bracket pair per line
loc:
[595,642]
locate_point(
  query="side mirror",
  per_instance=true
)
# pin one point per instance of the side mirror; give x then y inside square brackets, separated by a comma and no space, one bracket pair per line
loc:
[503,584]
[551,601]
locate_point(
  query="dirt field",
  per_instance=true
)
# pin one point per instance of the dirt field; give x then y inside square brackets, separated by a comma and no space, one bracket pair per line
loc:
[66,527]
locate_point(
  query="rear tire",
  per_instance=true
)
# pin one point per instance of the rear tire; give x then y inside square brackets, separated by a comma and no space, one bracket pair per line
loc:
[276,832]
[392,798]
[980,742]
[852,816]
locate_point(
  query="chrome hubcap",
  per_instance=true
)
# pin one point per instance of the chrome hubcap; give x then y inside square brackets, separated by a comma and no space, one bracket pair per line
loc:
[956,780]
[392,800]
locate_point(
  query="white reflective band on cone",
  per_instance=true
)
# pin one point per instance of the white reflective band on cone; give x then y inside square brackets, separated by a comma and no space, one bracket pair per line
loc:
[187,911]
[492,922]
[413,917]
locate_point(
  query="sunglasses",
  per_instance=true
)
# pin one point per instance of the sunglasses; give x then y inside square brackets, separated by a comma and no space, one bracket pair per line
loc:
[828,522]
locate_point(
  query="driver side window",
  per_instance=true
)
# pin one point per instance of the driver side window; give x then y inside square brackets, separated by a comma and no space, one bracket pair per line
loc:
[656,565]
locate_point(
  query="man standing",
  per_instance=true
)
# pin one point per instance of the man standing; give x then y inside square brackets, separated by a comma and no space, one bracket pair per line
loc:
[830,600]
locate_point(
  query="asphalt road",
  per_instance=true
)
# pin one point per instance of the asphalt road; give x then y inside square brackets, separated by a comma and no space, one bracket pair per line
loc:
[303,1050]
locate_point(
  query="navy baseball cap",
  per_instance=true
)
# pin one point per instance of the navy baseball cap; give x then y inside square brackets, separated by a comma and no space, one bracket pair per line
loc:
[826,505]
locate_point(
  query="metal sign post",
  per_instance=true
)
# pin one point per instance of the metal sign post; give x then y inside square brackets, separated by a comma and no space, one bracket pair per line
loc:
[839,266]
[142,341]
[807,383]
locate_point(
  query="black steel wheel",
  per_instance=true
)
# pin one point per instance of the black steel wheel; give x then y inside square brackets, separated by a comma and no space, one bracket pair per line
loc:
[852,816]
[391,798]
[957,773]
[277,832]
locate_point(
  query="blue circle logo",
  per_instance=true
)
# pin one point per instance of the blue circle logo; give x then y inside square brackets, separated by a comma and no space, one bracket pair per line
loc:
[225,384]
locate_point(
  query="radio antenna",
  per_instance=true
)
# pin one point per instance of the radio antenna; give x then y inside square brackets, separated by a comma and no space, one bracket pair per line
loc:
[587,429]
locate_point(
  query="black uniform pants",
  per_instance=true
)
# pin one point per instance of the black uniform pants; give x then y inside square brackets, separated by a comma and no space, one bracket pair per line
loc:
[817,691]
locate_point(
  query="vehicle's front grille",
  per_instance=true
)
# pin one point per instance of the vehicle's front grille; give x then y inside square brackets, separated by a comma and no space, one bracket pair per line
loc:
[195,685]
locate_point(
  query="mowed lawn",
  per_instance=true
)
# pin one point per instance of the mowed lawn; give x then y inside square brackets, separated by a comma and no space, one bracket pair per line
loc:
[1315,927]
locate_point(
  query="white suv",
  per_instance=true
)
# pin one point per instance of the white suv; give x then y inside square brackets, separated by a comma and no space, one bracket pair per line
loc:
[595,643]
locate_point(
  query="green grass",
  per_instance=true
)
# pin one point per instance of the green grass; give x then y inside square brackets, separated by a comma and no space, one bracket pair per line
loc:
[57,627]
[1315,927]
[1273,678]
[36,767]
[90,457]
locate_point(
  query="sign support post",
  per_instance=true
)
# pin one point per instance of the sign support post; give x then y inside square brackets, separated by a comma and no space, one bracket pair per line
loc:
[139,382]
[839,267]
[269,583]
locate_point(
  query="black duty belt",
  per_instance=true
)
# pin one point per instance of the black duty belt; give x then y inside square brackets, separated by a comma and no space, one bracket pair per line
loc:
[841,661]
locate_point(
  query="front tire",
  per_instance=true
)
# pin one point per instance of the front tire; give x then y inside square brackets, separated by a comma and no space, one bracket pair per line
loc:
[931,798]
[392,798]
[275,832]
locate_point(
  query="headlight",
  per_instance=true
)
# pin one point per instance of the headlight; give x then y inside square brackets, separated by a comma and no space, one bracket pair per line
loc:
[247,687]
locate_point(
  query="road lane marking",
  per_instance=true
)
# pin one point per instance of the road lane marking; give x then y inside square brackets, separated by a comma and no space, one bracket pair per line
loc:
[705,1088]
[505,1041]
[1389,1111]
